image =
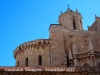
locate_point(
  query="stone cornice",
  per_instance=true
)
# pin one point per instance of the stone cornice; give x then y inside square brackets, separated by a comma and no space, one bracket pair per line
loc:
[29,45]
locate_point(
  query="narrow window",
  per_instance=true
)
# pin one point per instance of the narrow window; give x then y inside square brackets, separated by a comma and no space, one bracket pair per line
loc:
[18,63]
[40,60]
[74,26]
[26,62]
[68,62]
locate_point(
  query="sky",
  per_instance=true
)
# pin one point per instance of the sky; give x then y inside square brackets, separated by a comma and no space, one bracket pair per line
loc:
[26,20]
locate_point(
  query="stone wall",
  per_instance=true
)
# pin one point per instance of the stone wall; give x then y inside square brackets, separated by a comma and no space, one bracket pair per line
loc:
[62,41]
[32,53]
[57,46]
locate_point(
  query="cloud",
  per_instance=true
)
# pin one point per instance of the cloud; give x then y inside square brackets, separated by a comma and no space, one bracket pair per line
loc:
[70,1]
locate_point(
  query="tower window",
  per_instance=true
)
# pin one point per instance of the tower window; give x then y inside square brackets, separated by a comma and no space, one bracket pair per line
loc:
[74,26]
[26,62]
[40,60]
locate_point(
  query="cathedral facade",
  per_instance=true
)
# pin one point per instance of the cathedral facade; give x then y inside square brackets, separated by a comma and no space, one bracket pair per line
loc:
[69,45]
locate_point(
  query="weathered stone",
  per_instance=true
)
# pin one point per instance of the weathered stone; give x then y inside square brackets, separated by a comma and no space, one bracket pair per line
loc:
[68,34]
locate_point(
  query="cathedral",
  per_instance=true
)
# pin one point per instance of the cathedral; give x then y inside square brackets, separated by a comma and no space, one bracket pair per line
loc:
[69,45]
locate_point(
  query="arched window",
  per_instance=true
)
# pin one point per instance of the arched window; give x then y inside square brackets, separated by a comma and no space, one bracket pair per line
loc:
[17,63]
[40,60]
[26,61]
[74,25]
[68,62]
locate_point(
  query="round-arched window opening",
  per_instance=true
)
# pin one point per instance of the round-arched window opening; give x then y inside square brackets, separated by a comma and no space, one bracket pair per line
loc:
[74,25]
[40,60]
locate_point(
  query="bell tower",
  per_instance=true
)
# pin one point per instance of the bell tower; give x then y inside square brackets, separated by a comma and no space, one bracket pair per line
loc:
[71,20]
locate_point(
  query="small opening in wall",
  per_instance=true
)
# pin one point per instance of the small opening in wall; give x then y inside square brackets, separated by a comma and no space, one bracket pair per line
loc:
[39,42]
[40,60]
[26,62]
[44,43]
[35,46]
[17,63]
[26,47]
[68,62]
[71,36]
[29,46]
[20,48]
[74,25]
